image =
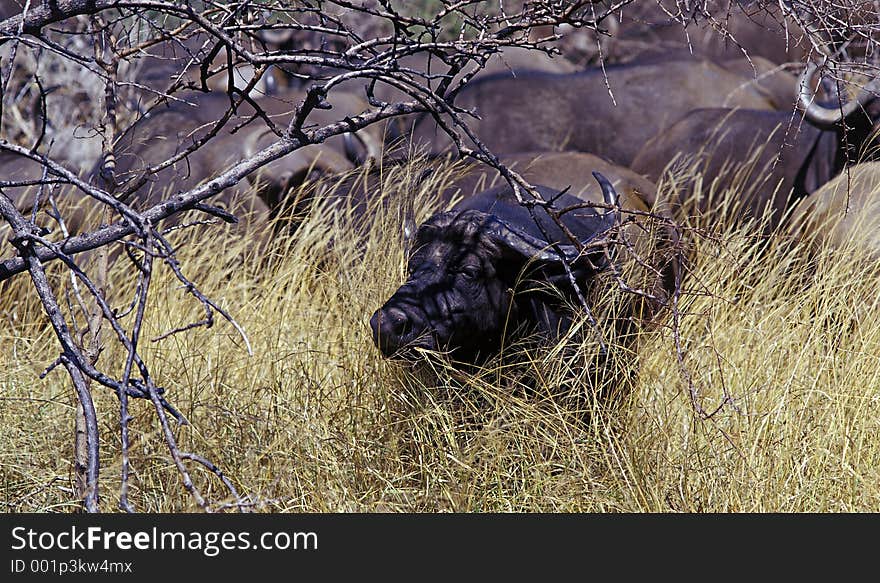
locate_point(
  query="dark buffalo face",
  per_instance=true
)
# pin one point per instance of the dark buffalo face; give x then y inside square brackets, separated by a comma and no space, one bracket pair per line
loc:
[457,291]
[473,277]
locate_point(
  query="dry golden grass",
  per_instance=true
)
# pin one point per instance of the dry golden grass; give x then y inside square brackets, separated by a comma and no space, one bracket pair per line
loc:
[317,421]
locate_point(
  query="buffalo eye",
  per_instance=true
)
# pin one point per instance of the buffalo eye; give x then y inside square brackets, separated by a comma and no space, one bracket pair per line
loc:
[470,271]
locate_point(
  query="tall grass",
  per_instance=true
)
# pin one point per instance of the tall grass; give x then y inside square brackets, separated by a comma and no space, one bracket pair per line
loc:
[776,335]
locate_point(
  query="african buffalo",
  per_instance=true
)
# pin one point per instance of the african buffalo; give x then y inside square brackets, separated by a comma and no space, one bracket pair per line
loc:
[555,170]
[549,112]
[169,129]
[845,209]
[716,30]
[772,159]
[279,179]
[178,63]
[776,81]
[452,180]
[428,69]
[490,268]
[9,8]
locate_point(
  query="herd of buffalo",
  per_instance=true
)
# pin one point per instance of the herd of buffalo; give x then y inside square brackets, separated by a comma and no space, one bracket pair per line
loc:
[595,142]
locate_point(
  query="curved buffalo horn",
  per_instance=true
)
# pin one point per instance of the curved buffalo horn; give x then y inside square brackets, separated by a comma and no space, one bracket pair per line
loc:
[610,217]
[350,150]
[530,246]
[277,36]
[270,81]
[373,150]
[830,117]
[608,193]
[251,143]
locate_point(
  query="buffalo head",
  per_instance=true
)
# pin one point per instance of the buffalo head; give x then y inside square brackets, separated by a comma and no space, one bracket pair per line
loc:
[473,276]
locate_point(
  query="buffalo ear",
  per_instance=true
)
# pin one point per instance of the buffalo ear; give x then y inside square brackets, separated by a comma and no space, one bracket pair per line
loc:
[361,148]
